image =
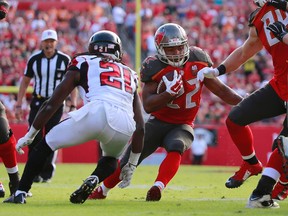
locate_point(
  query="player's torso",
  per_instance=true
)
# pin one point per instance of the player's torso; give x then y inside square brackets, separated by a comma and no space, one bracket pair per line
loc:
[277,49]
[183,109]
[106,80]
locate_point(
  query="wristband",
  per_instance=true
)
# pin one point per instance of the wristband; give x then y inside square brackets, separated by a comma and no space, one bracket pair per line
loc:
[32,132]
[222,69]
[134,157]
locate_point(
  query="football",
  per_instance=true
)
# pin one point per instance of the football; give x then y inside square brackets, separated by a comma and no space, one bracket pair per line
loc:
[161,86]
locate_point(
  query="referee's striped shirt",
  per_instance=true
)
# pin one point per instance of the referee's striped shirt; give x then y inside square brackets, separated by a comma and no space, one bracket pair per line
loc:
[47,73]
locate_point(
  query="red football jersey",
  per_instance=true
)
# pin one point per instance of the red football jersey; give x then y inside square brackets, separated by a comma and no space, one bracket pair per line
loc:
[261,18]
[184,108]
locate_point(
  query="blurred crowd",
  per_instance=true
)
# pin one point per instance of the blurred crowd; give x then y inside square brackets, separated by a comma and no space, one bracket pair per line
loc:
[217,26]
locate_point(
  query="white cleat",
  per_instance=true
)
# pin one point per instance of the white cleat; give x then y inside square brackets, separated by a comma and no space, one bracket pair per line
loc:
[264,201]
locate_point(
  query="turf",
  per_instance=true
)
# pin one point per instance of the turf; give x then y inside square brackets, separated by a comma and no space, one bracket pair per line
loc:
[195,190]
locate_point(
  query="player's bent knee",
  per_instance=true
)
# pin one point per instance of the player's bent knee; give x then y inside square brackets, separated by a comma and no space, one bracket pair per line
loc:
[176,147]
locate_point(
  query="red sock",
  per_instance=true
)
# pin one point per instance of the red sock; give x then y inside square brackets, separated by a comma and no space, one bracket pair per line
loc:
[276,162]
[169,167]
[242,137]
[113,179]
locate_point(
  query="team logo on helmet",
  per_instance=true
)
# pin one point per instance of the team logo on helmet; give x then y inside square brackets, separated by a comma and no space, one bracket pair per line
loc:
[159,37]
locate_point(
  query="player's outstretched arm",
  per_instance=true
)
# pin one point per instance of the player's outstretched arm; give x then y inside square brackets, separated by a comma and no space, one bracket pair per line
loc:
[49,107]
[227,94]
[136,145]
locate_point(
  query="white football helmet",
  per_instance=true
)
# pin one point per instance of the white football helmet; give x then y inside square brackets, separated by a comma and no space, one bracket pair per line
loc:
[260,3]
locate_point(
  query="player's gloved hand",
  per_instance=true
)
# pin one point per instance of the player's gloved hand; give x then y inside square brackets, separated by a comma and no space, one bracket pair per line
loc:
[4,6]
[280,4]
[26,140]
[126,175]
[278,29]
[207,72]
[173,87]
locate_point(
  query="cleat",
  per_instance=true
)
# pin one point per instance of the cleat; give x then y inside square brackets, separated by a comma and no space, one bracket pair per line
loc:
[46,180]
[246,170]
[29,194]
[2,190]
[282,144]
[38,179]
[97,194]
[264,201]
[280,191]
[154,194]
[19,199]
[81,194]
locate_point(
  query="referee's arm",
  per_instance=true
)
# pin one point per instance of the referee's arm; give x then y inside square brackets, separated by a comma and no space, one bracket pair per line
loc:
[60,93]
[21,94]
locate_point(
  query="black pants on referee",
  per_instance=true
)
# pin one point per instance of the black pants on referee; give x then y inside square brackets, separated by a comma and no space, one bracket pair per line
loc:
[49,167]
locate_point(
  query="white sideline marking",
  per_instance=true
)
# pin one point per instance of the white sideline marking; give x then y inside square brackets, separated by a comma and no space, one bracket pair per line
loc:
[170,187]
[216,199]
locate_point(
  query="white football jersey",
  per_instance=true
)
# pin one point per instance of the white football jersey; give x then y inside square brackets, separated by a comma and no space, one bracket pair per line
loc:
[107,88]
[106,80]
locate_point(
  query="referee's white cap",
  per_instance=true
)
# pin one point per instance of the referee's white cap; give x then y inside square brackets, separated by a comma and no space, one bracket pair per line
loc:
[49,34]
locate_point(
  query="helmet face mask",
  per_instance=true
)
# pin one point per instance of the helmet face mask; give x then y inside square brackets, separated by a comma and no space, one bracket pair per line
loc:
[172,36]
[106,43]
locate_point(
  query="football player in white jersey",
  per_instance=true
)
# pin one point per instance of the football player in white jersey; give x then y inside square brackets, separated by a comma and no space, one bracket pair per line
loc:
[112,115]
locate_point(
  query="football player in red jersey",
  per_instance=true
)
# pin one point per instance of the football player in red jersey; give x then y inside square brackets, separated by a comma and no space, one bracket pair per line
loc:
[269,101]
[173,111]
[7,139]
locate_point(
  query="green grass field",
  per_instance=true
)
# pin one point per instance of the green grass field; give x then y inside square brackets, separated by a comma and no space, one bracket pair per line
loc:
[195,190]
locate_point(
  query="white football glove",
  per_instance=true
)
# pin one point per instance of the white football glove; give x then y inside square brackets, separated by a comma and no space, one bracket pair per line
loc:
[173,87]
[207,72]
[26,140]
[126,175]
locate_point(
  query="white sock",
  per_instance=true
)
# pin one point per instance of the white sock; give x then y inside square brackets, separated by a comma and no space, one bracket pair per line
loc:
[160,185]
[19,192]
[105,189]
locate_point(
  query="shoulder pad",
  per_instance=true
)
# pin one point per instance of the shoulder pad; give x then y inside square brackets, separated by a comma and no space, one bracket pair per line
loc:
[150,66]
[198,54]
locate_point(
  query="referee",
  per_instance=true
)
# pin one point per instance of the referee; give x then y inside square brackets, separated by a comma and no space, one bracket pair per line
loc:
[47,66]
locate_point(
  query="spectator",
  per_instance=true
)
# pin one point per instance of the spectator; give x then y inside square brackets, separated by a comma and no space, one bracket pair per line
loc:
[202,21]
[199,149]
[47,67]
